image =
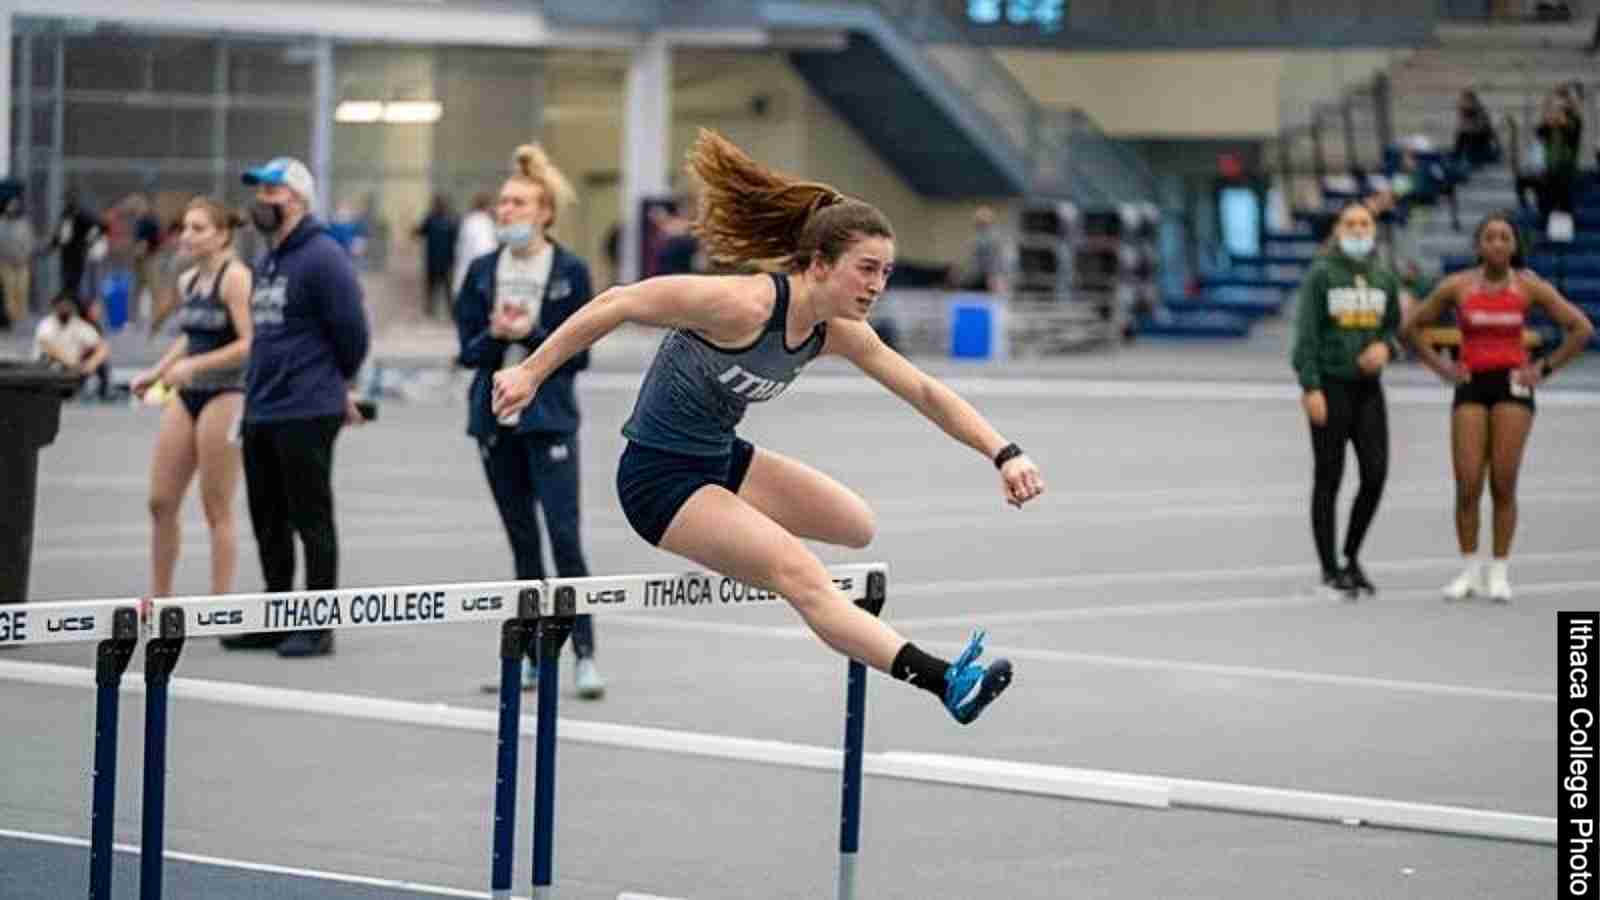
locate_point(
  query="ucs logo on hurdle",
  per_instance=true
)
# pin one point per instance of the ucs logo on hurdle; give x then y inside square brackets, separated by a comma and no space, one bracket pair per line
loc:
[15,625]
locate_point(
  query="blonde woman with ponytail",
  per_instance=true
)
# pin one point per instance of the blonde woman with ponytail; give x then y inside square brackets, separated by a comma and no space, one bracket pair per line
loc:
[511,299]
[690,485]
[206,366]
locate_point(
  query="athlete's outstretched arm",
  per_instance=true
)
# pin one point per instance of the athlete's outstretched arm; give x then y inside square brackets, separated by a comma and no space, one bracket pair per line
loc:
[857,342]
[673,301]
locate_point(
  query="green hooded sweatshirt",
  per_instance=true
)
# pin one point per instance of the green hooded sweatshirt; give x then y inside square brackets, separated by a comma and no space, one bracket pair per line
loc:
[1344,306]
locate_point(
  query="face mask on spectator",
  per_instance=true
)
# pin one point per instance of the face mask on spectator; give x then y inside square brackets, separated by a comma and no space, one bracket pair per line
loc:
[516,235]
[267,217]
[1356,247]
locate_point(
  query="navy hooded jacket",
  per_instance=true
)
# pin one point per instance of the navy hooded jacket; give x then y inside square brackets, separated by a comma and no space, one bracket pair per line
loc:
[555,407]
[310,328]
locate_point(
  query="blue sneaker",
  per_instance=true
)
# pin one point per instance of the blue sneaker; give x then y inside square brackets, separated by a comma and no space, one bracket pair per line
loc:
[969,687]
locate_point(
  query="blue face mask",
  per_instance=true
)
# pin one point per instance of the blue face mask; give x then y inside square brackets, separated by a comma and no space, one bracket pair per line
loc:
[1356,247]
[516,236]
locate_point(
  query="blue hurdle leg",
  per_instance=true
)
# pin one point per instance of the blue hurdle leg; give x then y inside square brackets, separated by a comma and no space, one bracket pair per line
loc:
[854,742]
[552,634]
[161,657]
[110,662]
[855,728]
[513,645]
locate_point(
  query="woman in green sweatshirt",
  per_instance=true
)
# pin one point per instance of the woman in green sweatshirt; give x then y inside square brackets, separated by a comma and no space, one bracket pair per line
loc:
[1348,312]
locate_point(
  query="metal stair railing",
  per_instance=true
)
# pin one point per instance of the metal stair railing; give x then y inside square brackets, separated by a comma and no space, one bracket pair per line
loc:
[1065,153]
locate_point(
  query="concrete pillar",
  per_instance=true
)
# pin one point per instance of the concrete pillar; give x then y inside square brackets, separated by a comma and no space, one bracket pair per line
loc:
[646,129]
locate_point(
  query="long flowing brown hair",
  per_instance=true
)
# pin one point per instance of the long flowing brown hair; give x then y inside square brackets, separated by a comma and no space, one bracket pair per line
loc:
[749,213]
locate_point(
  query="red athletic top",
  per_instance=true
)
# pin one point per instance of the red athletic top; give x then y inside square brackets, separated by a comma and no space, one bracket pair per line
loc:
[1491,320]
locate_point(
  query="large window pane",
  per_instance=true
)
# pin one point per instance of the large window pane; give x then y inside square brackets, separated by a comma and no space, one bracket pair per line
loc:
[262,134]
[185,66]
[268,70]
[102,63]
[125,130]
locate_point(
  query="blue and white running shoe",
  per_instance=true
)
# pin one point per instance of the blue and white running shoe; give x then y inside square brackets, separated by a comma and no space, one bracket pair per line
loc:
[969,687]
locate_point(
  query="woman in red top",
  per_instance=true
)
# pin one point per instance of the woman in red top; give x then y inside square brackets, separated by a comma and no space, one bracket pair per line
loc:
[1495,380]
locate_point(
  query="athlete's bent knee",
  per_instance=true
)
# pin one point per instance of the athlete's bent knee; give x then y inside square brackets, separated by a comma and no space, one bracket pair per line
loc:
[861,531]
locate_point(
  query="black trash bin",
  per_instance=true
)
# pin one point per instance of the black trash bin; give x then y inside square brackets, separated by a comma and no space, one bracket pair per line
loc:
[30,413]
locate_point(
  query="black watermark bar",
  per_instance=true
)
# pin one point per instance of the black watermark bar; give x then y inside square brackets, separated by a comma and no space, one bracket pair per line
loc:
[1577,727]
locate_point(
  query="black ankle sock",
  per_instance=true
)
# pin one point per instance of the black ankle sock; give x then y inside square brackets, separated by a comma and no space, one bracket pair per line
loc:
[920,669]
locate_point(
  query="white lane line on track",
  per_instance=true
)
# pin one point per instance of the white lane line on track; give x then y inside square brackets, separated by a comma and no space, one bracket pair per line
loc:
[263,868]
[1291,570]
[1296,676]
[1153,792]
[1140,610]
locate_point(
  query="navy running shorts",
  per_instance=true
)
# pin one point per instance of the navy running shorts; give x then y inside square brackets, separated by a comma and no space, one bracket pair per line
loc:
[654,484]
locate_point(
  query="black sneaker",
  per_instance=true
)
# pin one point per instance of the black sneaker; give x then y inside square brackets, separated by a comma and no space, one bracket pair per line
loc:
[1358,579]
[254,640]
[318,642]
[1339,584]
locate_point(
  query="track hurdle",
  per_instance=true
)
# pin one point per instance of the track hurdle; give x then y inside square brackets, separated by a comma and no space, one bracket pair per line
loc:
[692,593]
[115,625]
[174,620]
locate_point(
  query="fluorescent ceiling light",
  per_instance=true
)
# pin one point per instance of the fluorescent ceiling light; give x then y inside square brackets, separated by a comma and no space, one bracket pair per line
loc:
[358,111]
[412,111]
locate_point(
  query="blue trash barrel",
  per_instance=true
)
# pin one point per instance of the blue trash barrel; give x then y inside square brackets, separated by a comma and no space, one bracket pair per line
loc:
[973,328]
[115,291]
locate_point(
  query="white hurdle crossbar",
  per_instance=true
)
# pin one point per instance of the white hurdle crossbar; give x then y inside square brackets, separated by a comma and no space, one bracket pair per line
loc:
[527,610]
[173,620]
[692,594]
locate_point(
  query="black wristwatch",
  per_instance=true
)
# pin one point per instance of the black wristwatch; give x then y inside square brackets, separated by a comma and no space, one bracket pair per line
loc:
[1545,369]
[1006,454]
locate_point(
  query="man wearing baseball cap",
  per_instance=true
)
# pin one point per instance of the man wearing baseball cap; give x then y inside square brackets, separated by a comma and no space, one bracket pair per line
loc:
[310,339]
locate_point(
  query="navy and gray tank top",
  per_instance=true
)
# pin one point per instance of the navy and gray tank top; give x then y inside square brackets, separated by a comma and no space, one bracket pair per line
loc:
[695,393]
[205,322]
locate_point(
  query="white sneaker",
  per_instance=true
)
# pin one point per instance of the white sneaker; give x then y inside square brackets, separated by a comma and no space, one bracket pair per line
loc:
[591,686]
[1467,584]
[1497,584]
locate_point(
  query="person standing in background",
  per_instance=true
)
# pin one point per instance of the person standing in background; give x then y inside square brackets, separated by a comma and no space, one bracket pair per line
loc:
[1495,381]
[474,238]
[311,336]
[985,269]
[512,299]
[17,241]
[74,234]
[146,245]
[438,235]
[206,365]
[1346,320]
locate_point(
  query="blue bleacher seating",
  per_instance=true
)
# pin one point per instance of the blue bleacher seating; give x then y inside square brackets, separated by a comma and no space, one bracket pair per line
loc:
[1180,321]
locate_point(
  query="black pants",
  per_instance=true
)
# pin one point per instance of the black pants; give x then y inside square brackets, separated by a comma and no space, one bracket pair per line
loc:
[73,266]
[288,470]
[534,469]
[1552,192]
[436,285]
[1356,413]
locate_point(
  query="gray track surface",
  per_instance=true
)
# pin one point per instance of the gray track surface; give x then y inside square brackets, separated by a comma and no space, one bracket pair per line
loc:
[1157,602]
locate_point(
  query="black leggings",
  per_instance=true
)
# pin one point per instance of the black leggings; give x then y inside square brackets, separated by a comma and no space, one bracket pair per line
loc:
[1356,413]
[528,470]
[288,470]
